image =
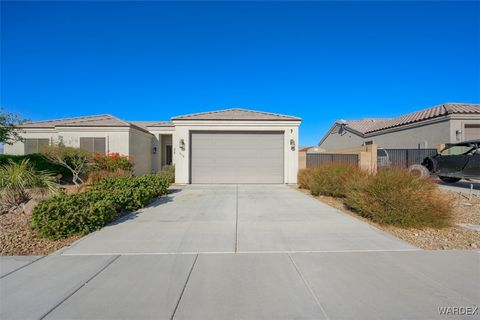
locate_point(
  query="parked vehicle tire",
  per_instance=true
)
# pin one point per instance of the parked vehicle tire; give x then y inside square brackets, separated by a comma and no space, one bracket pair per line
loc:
[450,179]
[419,170]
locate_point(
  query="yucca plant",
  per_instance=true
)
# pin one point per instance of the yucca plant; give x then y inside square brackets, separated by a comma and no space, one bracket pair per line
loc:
[19,182]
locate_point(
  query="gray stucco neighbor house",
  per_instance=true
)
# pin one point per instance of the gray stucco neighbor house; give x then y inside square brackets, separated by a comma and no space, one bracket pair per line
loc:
[224,146]
[445,123]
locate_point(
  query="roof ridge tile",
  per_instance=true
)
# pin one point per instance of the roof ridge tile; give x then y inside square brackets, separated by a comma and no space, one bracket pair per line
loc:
[208,115]
[66,119]
[370,125]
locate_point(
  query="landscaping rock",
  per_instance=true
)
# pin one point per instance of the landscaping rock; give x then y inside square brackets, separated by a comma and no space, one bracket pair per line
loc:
[17,238]
[28,207]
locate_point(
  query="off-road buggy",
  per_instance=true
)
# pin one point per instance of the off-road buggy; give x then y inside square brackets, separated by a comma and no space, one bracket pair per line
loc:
[454,162]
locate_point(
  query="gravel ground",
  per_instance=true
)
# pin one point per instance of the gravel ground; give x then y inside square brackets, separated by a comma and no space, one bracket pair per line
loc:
[455,237]
[16,237]
[467,210]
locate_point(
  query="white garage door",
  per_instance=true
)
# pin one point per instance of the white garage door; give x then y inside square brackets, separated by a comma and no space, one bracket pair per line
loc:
[472,131]
[237,157]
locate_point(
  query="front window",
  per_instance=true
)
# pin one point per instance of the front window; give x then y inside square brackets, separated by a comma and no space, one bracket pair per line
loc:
[35,145]
[94,145]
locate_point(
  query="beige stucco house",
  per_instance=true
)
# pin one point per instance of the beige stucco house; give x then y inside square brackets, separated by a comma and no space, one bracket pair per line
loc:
[446,123]
[225,146]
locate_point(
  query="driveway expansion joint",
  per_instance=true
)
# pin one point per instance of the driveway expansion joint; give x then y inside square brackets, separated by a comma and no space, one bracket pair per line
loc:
[19,268]
[184,287]
[80,287]
[309,287]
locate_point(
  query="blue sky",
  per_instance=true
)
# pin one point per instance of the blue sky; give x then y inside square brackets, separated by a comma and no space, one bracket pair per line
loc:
[321,61]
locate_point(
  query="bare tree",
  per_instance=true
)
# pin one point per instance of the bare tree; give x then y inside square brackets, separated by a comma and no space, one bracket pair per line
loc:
[74,159]
[9,127]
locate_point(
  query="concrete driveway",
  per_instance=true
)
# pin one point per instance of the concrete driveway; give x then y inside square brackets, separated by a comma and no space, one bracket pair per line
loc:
[236,218]
[241,252]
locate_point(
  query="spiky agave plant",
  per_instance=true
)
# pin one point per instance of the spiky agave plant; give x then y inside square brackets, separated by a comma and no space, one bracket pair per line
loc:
[19,182]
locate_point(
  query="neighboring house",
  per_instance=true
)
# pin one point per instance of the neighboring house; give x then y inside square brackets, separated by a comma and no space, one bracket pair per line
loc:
[449,122]
[225,146]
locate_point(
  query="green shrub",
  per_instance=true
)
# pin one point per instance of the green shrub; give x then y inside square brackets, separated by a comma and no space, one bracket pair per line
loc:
[81,213]
[332,179]
[168,172]
[74,214]
[39,163]
[133,193]
[397,197]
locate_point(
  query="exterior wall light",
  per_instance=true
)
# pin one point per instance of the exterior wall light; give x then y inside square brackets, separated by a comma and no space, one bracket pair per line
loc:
[458,135]
[292,144]
[182,144]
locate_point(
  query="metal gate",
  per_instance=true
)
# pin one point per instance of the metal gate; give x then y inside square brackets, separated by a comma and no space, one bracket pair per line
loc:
[403,158]
[317,159]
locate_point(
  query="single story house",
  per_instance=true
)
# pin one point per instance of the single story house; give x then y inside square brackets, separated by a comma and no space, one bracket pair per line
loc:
[445,123]
[225,146]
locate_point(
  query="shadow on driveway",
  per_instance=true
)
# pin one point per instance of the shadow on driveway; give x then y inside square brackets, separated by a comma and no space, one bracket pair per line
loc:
[154,204]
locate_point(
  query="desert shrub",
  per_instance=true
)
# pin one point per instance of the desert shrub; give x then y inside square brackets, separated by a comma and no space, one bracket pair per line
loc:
[304,178]
[111,162]
[19,182]
[81,213]
[97,175]
[38,162]
[397,197]
[168,172]
[333,179]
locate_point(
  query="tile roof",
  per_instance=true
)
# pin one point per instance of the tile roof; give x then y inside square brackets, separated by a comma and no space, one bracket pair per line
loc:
[236,114]
[462,108]
[103,120]
[86,121]
[163,124]
[146,124]
[364,125]
[373,125]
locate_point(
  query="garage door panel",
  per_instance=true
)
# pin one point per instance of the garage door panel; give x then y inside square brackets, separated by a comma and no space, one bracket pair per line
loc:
[472,131]
[237,157]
